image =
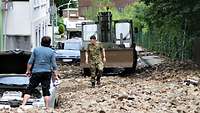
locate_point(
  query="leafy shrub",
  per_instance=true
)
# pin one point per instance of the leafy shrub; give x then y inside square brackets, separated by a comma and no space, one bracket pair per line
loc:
[61,29]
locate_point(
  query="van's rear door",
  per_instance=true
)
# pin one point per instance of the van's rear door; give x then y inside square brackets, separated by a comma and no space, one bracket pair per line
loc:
[14,61]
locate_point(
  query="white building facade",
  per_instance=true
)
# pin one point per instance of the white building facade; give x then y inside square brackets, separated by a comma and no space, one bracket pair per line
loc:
[26,23]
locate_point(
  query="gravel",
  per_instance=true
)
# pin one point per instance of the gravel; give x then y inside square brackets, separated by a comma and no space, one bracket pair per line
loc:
[157,89]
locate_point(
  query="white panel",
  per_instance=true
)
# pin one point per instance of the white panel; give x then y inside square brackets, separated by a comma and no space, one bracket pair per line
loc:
[123,29]
[18,42]
[89,30]
[123,34]
[18,19]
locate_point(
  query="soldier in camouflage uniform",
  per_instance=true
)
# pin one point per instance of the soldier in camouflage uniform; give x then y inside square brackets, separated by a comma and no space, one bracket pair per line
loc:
[95,54]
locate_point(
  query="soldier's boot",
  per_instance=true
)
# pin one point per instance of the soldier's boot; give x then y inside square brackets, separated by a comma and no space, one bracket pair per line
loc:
[93,78]
[93,81]
[93,84]
[98,81]
[99,77]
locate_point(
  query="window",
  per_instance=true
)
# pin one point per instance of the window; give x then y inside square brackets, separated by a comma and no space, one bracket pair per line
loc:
[35,2]
[39,36]
[43,31]
[36,37]
[18,42]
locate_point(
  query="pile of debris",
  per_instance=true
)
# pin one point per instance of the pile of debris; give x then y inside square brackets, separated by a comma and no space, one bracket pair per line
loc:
[171,87]
[170,70]
[70,71]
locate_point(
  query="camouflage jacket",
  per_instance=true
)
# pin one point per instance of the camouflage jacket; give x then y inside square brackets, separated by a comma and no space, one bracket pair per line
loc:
[95,53]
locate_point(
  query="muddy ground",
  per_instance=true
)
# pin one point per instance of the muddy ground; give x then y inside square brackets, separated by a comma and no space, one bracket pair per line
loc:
[157,89]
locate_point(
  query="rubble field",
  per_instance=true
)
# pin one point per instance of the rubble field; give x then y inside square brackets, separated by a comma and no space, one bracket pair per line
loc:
[157,89]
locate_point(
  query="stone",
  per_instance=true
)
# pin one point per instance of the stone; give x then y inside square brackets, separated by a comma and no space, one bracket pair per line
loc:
[102,111]
[122,97]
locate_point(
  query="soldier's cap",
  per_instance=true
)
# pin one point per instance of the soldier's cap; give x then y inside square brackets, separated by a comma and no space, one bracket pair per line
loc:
[93,37]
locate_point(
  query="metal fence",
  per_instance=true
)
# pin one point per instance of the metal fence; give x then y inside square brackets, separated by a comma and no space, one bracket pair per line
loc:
[182,48]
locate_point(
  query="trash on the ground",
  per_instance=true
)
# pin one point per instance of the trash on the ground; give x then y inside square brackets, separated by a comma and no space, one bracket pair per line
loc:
[190,81]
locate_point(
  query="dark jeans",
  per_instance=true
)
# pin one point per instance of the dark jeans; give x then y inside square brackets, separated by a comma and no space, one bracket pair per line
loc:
[44,78]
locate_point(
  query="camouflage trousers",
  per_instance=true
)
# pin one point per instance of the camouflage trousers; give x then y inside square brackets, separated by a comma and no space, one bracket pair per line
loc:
[96,70]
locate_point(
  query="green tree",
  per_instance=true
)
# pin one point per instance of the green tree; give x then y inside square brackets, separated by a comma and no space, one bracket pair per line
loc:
[61,29]
[166,26]
[60,20]
[92,11]
[137,12]
[97,6]
[173,26]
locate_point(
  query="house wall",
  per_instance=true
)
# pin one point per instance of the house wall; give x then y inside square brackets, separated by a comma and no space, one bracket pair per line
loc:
[1,27]
[26,23]
[40,20]
[19,19]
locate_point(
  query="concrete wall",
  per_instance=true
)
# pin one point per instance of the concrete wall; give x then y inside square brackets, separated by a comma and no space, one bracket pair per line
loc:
[19,19]
[1,27]
[40,21]
[26,23]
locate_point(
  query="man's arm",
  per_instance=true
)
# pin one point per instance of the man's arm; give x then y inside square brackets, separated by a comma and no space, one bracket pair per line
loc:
[30,64]
[86,57]
[28,71]
[55,68]
[104,55]
[53,61]
[86,54]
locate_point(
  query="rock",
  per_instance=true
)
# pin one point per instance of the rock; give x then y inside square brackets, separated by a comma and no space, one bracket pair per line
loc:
[100,100]
[123,108]
[147,99]
[122,97]
[114,95]
[190,81]
[131,98]
[157,89]
[181,111]
[102,111]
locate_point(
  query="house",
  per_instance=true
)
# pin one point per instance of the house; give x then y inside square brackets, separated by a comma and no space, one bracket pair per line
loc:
[70,13]
[26,23]
[74,26]
[73,22]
